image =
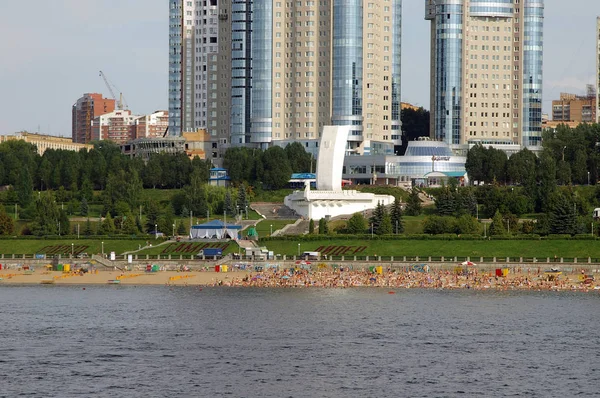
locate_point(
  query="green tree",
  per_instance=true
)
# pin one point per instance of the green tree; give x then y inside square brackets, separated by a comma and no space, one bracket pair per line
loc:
[240,164]
[129,226]
[563,173]
[7,224]
[377,216]
[87,190]
[385,228]
[357,224]
[497,228]
[152,214]
[47,216]
[107,226]
[439,225]
[166,221]
[446,201]
[311,226]
[276,167]
[474,164]
[580,167]
[467,224]
[521,168]
[466,202]
[415,124]
[228,206]
[84,208]
[152,174]
[24,187]
[323,227]
[181,230]
[547,180]
[396,217]
[300,160]
[242,200]
[413,204]
[44,172]
[88,230]
[563,218]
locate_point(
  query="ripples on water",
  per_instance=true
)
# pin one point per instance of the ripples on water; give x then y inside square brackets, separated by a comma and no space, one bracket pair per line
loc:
[118,341]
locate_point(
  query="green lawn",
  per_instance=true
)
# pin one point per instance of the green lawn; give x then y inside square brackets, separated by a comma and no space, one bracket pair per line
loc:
[63,246]
[447,248]
[409,248]
[264,227]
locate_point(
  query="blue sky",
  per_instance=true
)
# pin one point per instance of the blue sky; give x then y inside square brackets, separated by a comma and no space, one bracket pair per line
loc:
[52,51]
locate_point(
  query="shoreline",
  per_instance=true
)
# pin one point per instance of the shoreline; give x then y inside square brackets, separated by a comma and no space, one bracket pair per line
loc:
[434,279]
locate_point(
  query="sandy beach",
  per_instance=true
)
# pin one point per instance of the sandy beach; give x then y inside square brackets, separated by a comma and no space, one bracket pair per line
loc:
[527,279]
[103,277]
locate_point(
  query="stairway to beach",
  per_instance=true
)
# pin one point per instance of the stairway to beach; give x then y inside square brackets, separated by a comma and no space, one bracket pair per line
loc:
[274,211]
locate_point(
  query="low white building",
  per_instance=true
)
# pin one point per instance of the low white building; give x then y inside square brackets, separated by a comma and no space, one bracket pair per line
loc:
[329,200]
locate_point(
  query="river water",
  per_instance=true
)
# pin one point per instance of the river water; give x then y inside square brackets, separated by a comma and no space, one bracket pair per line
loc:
[125,341]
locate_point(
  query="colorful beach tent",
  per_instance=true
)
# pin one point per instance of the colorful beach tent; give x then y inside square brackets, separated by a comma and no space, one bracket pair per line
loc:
[215,229]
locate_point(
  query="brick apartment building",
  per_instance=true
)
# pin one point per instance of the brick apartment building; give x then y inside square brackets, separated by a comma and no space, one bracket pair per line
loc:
[153,125]
[117,126]
[575,108]
[85,109]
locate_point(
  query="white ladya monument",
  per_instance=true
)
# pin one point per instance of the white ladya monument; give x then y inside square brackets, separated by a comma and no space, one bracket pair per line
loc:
[329,200]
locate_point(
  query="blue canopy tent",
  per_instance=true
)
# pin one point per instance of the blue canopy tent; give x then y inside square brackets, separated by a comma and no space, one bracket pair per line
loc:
[215,229]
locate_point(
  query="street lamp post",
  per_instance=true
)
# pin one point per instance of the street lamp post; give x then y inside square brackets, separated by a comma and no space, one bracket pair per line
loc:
[246,212]
[271,229]
[77,231]
[173,229]
[298,249]
[588,178]
[155,231]
[103,248]
[72,249]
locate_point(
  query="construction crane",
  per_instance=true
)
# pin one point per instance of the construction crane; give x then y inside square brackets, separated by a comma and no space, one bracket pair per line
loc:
[121,102]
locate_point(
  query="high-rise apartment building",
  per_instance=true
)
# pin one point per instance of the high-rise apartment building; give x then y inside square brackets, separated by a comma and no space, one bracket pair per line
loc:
[84,111]
[282,70]
[486,70]
[597,69]
[193,37]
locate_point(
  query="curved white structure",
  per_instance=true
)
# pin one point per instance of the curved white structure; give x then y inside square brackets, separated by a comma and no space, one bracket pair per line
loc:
[329,200]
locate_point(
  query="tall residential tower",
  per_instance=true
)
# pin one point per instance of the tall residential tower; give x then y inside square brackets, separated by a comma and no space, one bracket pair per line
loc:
[486,71]
[193,37]
[278,71]
[597,69]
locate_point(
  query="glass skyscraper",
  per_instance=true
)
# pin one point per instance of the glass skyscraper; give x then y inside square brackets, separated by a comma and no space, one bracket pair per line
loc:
[347,67]
[486,71]
[270,72]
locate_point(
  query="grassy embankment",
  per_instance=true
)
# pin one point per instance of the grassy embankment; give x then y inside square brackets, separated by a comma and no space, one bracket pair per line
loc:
[449,248]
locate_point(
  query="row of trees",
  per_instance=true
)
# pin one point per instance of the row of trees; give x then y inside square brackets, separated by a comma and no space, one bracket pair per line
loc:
[271,168]
[569,156]
[568,210]
[78,174]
